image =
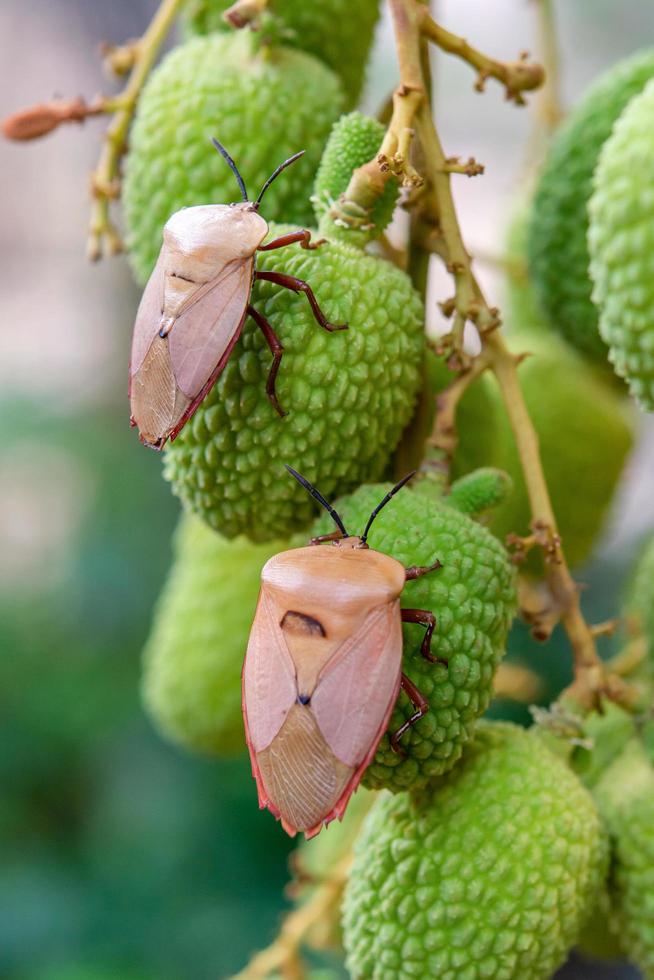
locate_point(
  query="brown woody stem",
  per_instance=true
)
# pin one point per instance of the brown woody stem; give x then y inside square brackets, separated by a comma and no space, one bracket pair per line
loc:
[105,179]
[411,21]
[283,955]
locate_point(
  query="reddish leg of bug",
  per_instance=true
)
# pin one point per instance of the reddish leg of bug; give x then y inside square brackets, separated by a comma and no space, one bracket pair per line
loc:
[417,571]
[277,352]
[300,286]
[304,237]
[427,619]
[421,706]
[323,538]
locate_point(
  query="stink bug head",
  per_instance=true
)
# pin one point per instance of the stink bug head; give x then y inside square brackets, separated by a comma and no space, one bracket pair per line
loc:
[241,183]
[346,540]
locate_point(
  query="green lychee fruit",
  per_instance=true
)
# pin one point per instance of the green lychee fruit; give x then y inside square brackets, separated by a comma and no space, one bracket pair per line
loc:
[193,657]
[489,872]
[638,613]
[626,800]
[348,395]
[481,491]
[473,599]
[221,86]
[585,432]
[639,603]
[620,239]
[355,140]
[558,253]
[338,32]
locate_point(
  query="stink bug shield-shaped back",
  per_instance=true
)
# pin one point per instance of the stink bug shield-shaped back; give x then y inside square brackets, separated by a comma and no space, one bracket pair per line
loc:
[323,671]
[195,305]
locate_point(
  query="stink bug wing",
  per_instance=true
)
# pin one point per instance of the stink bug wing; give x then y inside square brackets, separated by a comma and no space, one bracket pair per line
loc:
[269,688]
[357,689]
[148,316]
[203,335]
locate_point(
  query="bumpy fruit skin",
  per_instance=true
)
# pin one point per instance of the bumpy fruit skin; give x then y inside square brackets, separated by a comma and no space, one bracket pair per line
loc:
[487,873]
[338,32]
[585,432]
[558,253]
[620,240]
[626,800]
[355,139]
[473,599]
[480,491]
[348,395]
[193,657]
[220,86]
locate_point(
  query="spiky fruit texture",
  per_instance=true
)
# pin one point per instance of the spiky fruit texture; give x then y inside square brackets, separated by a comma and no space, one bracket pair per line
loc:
[193,657]
[338,32]
[220,86]
[487,873]
[473,599]
[348,395]
[585,432]
[626,800]
[482,490]
[355,140]
[621,239]
[558,253]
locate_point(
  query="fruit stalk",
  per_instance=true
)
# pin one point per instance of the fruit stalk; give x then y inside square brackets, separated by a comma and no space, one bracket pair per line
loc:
[104,179]
[283,953]
[411,21]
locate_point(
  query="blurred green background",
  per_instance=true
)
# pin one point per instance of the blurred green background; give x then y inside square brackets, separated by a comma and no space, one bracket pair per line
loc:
[121,858]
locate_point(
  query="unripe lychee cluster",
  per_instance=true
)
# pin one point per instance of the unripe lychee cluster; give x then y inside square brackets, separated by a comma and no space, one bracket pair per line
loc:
[223,86]
[625,797]
[584,425]
[347,395]
[473,599]
[558,252]
[488,872]
[338,32]
[621,240]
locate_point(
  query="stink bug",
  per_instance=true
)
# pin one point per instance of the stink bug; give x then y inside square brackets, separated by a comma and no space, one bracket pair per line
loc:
[195,305]
[323,670]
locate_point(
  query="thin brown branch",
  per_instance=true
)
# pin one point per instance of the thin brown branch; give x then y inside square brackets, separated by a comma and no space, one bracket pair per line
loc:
[409,19]
[283,955]
[105,179]
[444,433]
[516,76]
[39,120]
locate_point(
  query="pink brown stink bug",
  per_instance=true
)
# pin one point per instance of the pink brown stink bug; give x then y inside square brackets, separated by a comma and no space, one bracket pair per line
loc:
[323,670]
[195,305]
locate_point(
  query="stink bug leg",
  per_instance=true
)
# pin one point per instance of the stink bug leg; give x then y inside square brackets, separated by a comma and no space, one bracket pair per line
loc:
[421,705]
[417,571]
[300,286]
[424,618]
[303,237]
[277,352]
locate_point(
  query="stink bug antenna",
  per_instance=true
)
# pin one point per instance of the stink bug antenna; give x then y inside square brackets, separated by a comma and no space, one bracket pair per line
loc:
[319,497]
[274,174]
[381,504]
[232,166]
